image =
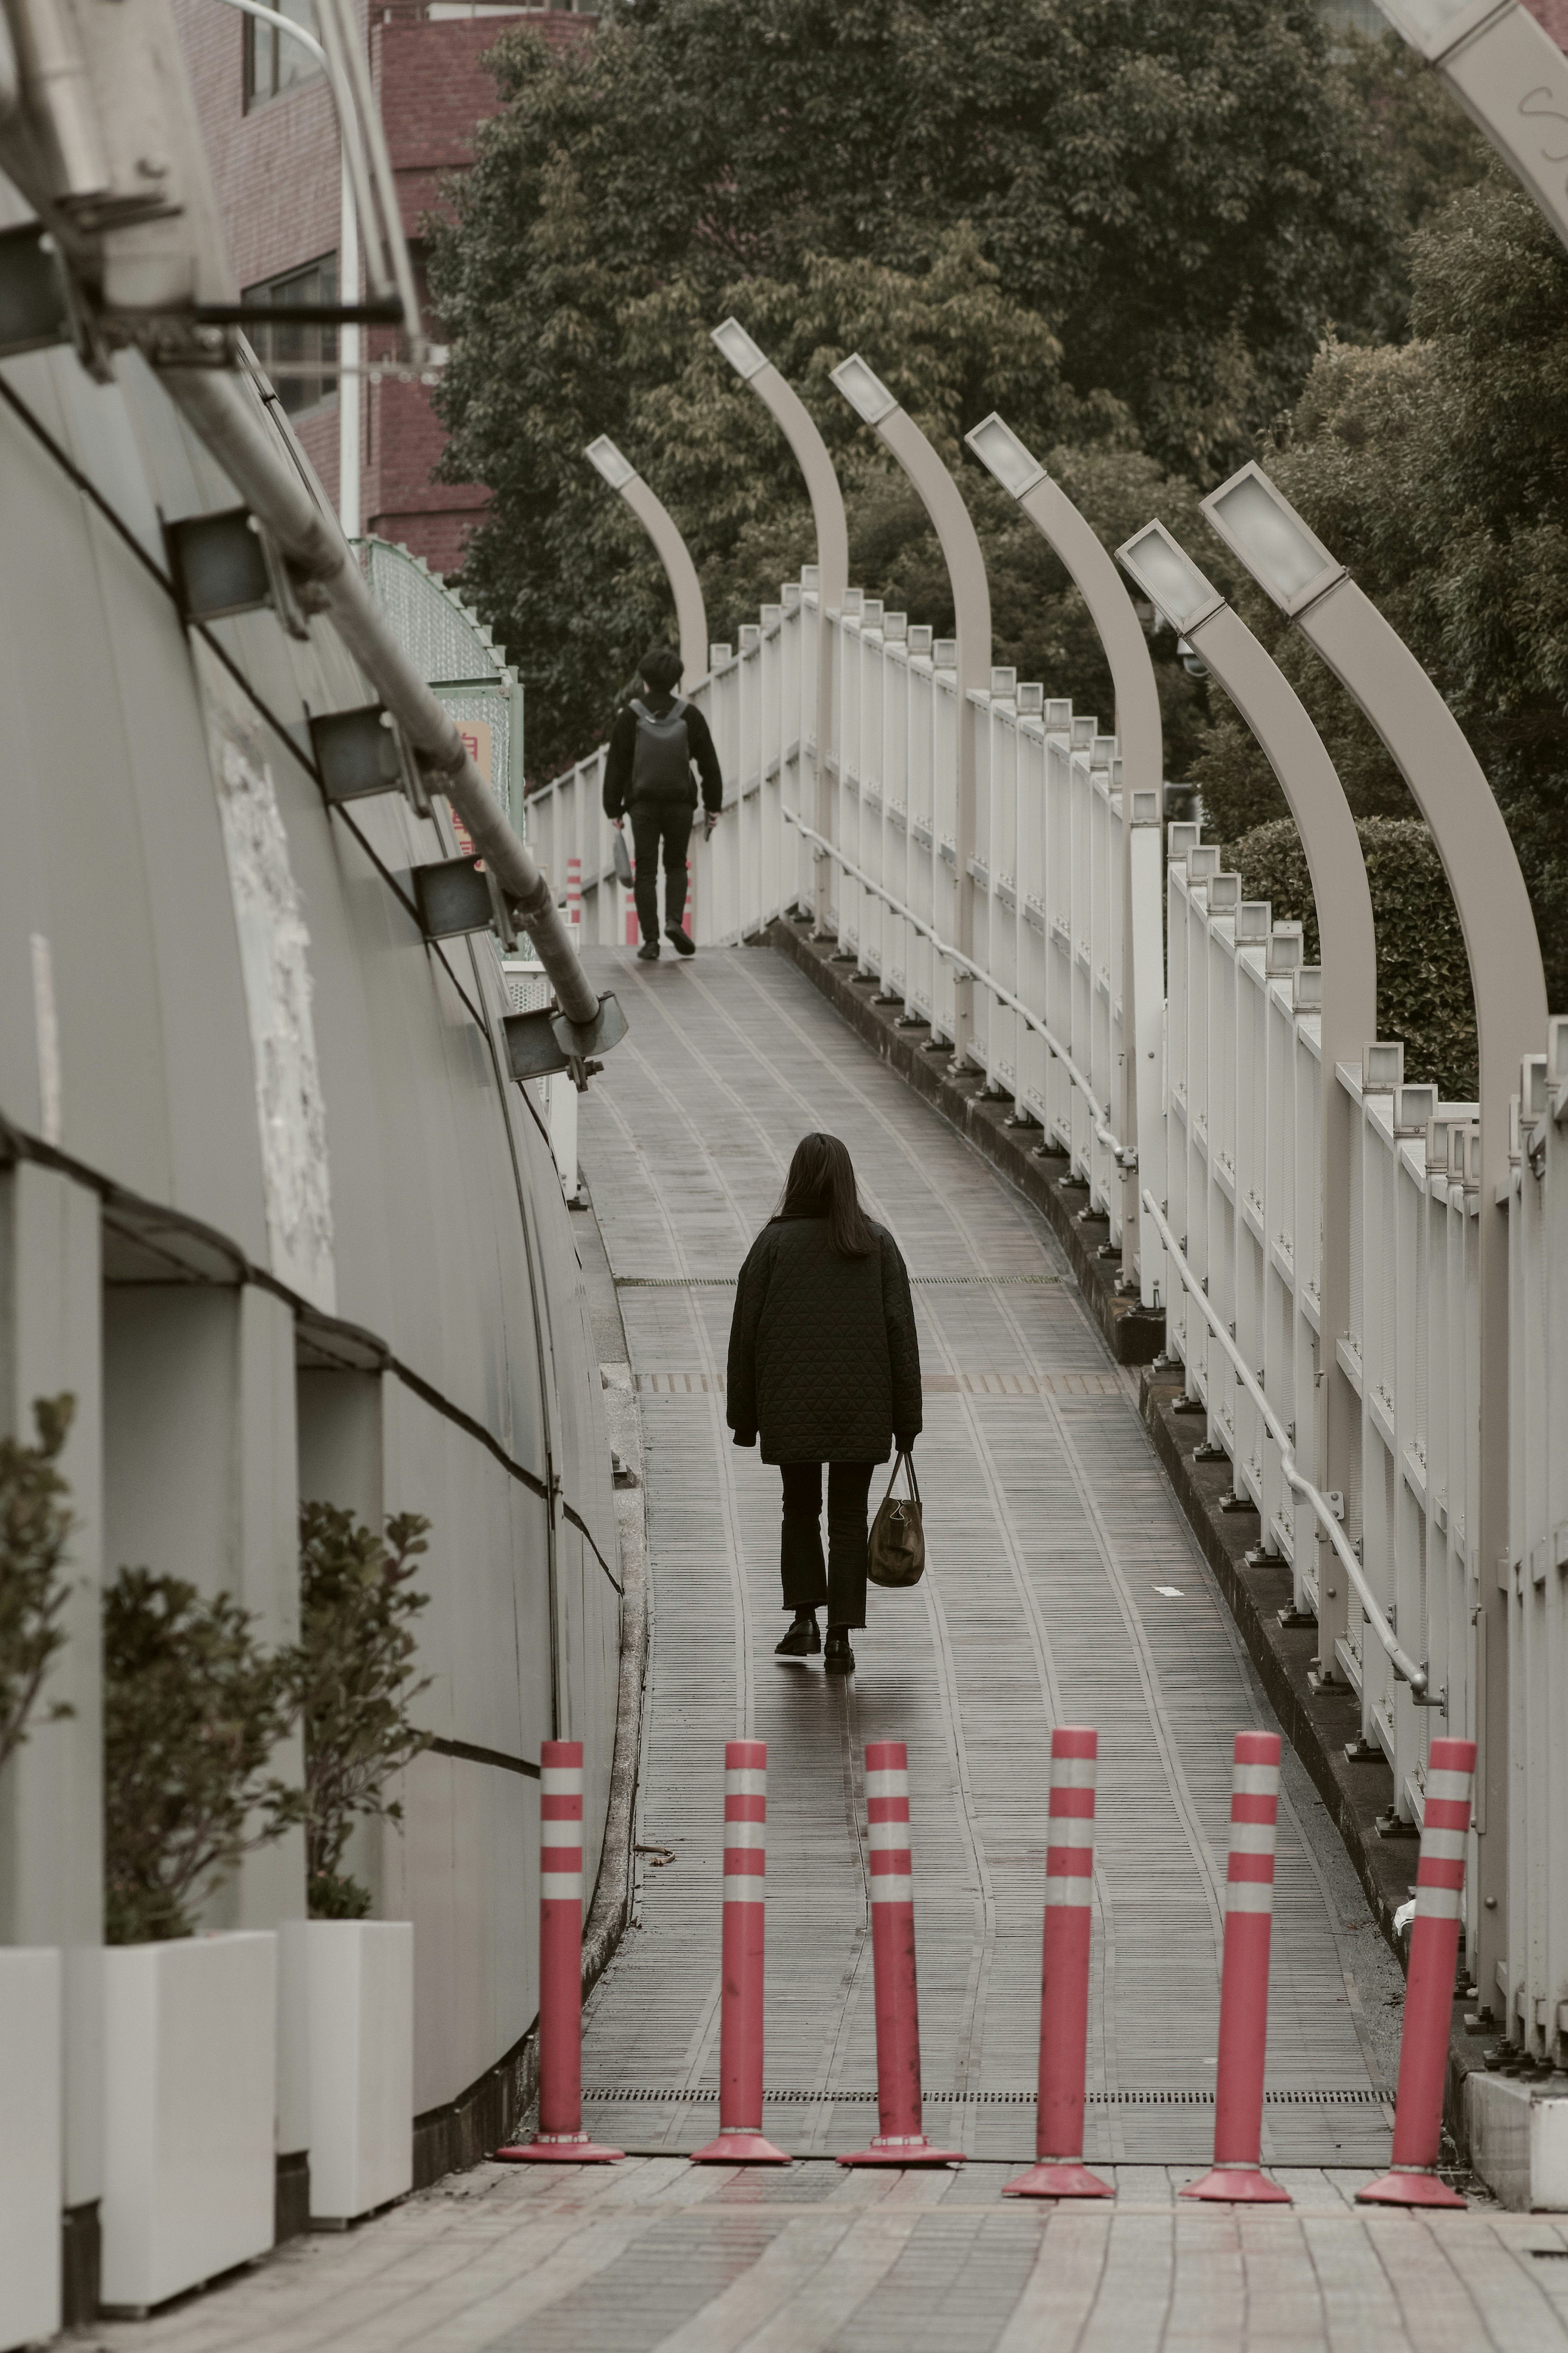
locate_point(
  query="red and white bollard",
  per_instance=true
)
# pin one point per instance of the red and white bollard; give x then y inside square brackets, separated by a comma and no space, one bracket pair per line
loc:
[901,2140]
[1429,1987]
[575,893]
[561,2140]
[1239,2176]
[741,2140]
[1060,2170]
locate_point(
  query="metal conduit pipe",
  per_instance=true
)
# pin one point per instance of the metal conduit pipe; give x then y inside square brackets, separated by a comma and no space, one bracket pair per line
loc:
[1126,1155]
[1404,1666]
[220,414]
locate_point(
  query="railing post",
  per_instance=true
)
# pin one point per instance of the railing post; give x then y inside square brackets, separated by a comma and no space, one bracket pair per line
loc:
[1378,670]
[943,503]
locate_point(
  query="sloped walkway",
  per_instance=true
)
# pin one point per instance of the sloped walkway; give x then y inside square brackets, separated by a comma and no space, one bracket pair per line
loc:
[1062,1587]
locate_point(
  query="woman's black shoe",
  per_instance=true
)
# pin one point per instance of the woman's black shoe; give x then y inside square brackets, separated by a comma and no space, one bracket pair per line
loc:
[838,1658]
[803,1641]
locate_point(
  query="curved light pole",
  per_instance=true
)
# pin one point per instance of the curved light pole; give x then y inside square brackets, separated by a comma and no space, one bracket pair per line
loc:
[690,613]
[754,368]
[943,503]
[1348,947]
[1511,79]
[1379,672]
[1141,742]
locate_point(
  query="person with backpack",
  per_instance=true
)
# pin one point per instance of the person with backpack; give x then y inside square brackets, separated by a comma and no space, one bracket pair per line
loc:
[824,1366]
[654,743]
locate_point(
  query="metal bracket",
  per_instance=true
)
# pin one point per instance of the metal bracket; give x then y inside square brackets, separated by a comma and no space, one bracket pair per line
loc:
[540,1044]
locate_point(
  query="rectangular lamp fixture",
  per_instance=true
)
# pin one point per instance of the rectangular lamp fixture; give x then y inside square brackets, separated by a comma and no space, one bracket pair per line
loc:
[360,752]
[219,565]
[35,309]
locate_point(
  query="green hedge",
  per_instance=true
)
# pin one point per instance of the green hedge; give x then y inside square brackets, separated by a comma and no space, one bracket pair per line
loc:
[1423,974]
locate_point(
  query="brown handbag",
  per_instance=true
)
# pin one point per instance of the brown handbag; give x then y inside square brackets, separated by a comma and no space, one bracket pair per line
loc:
[897,1543]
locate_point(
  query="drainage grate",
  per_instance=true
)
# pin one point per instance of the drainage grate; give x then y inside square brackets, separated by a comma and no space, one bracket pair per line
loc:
[625,2095]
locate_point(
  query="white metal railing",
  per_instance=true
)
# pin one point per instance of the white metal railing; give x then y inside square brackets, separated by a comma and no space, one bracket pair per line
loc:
[860,832]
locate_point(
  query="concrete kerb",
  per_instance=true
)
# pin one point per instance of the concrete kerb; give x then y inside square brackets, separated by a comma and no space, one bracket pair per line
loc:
[1133,1336]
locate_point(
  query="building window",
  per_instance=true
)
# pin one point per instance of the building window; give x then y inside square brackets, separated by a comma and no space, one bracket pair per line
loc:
[273,63]
[298,359]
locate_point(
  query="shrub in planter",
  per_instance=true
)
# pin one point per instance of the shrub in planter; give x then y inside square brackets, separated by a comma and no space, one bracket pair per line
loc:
[35,1526]
[193,1710]
[355,1679]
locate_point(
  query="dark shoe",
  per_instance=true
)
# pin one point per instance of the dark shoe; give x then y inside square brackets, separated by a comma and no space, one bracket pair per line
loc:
[838,1658]
[803,1641]
[683,944]
[648,952]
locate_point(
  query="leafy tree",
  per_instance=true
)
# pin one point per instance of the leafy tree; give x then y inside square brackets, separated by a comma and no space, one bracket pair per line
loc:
[356,1679]
[193,1710]
[1423,977]
[1124,225]
[35,1523]
[1438,471]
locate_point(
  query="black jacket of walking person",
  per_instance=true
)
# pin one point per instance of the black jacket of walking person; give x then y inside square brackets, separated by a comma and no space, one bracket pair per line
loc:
[824,1366]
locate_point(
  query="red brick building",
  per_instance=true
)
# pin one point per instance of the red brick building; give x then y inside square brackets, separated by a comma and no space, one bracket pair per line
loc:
[273,139]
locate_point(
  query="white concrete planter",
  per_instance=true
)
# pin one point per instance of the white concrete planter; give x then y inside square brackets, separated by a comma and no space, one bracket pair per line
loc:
[32,2078]
[357,1977]
[1518,2144]
[190,2074]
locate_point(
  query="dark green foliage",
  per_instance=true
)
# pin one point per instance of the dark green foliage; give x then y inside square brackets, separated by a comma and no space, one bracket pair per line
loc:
[1423,977]
[35,1523]
[1126,226]
[1438,471]
[355,1681]
[193,1711]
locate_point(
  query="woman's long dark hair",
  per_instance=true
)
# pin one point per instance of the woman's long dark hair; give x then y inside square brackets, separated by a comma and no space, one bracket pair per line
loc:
[821,1184]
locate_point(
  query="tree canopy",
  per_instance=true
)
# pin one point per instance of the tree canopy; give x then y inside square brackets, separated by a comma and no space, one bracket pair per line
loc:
[1126,226]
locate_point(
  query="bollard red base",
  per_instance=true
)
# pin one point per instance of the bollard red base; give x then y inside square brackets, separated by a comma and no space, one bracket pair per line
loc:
[561,2149]
[1238,2185]
[897,2150]
[741,2149]
[1063,2179]
[1409,2186]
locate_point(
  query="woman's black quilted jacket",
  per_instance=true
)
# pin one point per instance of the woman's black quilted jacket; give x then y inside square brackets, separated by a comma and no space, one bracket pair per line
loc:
[825,1361]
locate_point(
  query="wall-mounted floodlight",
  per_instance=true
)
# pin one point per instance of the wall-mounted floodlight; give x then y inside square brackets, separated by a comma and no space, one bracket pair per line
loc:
[1169,578]
[1347,989]
[1137,1113]
[1446,782]
[454,895]
[35,307]
[218,565]
[864,390]
[1286,559]
[1511,78]
[616,469]
[360,752]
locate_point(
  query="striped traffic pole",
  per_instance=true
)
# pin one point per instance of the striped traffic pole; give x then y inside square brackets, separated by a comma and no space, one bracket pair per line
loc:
[741,2140]
[1060,2170]
[1239,2176]
[1429,1987]
[574,893]
[901,2140]
[560,2138]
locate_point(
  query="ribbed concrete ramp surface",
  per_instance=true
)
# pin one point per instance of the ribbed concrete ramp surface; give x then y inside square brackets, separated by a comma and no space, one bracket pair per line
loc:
[1062,1588]
[1050,1536]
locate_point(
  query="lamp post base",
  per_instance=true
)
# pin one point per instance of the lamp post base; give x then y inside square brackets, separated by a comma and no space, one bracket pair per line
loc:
[1059,2177]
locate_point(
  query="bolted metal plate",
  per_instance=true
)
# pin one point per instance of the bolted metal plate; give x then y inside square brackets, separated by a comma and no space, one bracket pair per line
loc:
[539,1044]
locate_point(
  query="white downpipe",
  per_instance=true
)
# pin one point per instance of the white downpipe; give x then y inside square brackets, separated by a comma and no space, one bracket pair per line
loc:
[349,394]
[1404,1664]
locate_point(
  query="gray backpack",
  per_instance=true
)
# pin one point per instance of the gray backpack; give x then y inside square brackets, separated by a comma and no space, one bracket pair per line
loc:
[661,764]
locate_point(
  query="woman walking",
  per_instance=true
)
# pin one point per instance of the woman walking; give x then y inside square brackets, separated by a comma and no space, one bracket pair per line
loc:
[824,1366]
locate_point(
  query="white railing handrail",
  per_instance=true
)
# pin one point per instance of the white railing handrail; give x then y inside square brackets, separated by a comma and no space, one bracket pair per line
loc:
[1404,1666]
[949,955]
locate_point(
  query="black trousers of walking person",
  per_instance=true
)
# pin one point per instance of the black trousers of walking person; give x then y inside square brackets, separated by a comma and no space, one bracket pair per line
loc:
[657,825]
[841,1582]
